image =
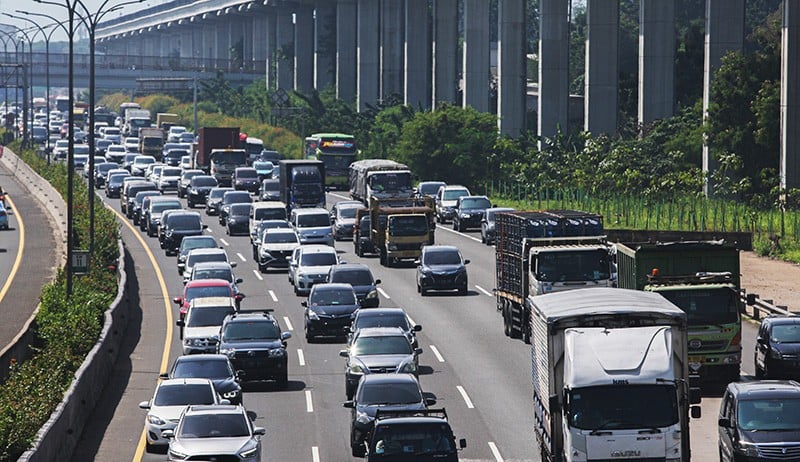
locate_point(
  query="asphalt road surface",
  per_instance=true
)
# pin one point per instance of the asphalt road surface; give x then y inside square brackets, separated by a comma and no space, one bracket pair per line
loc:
[480,376]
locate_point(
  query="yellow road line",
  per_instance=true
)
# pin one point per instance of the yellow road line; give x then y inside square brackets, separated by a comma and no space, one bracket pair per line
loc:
[168,338]
[20,250]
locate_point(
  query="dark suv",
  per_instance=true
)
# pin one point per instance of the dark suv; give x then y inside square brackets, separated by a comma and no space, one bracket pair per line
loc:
[469,211]
[254,343]
[777,351]
[360,277]
[424,433]
[440,267]
[760,421]
[198,189]
[178,225]
[246,179]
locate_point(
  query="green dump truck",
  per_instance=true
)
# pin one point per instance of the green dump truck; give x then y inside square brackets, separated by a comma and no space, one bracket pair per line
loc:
[703,279]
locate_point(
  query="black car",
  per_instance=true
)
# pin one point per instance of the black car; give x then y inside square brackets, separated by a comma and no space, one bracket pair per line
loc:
[777,351]
[129,194]
[440,267]
[237,220]
[361,236]
[760,421]
[185,181]
[114,185]
[178,225]
[360,277]
[254,343]
[199,189]
[424,433]
[101,171]
[191,243]
[173,157]
[328,310]
[270,190]
[384,317]
[214,199]
[487,223]
[378,350]
[245,179]
[214,367]
[387,392]
[230,198]
[469,212]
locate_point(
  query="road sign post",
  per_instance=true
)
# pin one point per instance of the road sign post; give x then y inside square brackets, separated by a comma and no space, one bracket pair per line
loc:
[80,262]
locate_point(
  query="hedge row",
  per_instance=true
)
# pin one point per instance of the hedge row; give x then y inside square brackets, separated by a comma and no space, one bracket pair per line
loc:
[66,329]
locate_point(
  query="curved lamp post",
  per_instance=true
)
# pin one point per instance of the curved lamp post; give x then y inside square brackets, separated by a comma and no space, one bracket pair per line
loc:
[17,42]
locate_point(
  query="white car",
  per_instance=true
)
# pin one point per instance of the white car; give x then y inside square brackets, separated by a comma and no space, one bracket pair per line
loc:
[276,245]
[186,162]
[175,132]
[215,433]
[140,164]
[61,148]
[131,144]
[200,255]
[200,329]
[170,399]
[168,180]
[313,263]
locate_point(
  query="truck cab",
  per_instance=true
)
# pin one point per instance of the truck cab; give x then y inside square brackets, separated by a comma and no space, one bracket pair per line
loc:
[558,264]
[224,162]
[399,232]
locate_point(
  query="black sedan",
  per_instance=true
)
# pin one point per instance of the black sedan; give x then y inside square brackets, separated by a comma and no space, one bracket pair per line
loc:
[440,267]
[228,199]
[328,310]
[215,367]
[199,188]
[237,220]
[469,212]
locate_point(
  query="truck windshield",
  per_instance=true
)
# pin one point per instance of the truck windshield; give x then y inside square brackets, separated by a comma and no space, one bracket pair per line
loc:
[229,158]
[413,439]
[623,407]
[308,192]
[390,182]
[582,265]
[408,226]
[705,306]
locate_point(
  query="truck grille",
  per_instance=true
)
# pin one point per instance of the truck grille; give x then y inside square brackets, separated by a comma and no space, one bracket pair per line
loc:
[710,345]
[409,246]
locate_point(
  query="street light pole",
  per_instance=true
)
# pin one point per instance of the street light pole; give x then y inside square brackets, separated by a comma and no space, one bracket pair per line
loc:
[16,74]
[27,102]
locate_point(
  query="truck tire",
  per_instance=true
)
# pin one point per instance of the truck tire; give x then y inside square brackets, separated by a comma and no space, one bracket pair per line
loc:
[383,258]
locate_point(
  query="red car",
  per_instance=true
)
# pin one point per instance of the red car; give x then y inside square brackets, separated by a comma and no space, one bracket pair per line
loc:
[205,288]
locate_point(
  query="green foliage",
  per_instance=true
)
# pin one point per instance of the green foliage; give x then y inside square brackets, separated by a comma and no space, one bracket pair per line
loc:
[157,103]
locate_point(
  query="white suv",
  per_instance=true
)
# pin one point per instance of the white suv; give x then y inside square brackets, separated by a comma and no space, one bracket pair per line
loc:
[200,329]
[446,199]
[311,266]
[313,225]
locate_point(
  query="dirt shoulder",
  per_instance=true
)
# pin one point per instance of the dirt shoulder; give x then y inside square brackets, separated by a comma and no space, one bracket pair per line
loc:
[771,279]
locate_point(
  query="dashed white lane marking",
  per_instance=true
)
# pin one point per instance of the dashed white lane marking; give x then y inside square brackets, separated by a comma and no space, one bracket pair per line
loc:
[288,323]
[309,403]
[315,453]
[385,295]
[224,241]
[465,396]
[209,230]
[495,452]
[449,230]
[436,353]
[339,196]
[301,358]
[484,291]
[241,257]
[258,275]
[274,297]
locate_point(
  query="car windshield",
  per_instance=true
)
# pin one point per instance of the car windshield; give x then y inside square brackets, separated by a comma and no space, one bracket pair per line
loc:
[216,425]
[251,330]
[206,317]
[706,306]
[270,186]
[430,188]
[453,194]
[621,407]
[202,369]
[217,193]
[237,198]
[412,440]
[184,395]
[117,179]
[332,297]
[381,345]
[184,222]
[198,243]
[353,277]
[264,166]
[159,207]
[318,259]
[171,172]
[585,265]
[348,212]
[786,333]
[313,220]
[387,320]
[270,224]
[270,213]
[240,210]
[410,225]
[390,182]
[189,175]
[205,181]
[281,238]
[210,291]
[247,173]
[781,414]
[144,161]
[195,258]
[389,393]
[448,257]
[477,203]
[213,273]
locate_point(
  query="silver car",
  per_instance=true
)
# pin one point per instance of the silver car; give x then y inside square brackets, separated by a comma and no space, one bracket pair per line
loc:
[215,433]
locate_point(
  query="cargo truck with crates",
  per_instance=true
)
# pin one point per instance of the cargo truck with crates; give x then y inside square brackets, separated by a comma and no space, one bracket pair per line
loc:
[381,179]
[399,232]
[539,252]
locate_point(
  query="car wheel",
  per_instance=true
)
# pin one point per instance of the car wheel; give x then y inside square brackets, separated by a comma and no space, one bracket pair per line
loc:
[419,289]
[759,372]
[262,268]
[463,289]
[149,448]
[296,292]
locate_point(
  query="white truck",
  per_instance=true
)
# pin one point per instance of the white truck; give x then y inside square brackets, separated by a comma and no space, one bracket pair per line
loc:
[134,120]
[383,179]
[610,376]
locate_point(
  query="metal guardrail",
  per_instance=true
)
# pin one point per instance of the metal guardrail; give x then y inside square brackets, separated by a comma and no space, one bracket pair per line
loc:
[758,306]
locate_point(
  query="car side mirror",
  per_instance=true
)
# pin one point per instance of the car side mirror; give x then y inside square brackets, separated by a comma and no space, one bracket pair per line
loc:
[377,281]
[168,434]
[178,300]
[430,402]
[349,404]
[286,335]
[417,351]
[239,280]
[343,353]
[144,405]
[466,262]
[260,431]
[233,264]
[724,423]
[205,226]
[417,327]
[240,373]
[761,340]
[696,412]
[304,303]
[462,443]
[417,262]
[180,323]
[224,402]
[163,376]
[239,297]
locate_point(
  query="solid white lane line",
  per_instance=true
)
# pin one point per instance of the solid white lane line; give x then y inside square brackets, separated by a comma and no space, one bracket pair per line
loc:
[288,323]
[274,297]
[436,353]
[385,295]
[495,452]
[241,257]
[465,396]
[224,241]
[484,290]
[258,275]
[301,357]
[450,230]
[309,403]
[315,454]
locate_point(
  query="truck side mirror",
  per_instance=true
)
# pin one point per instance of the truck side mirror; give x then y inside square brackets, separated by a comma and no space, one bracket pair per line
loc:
[462,443]
[696,412]
[695,395]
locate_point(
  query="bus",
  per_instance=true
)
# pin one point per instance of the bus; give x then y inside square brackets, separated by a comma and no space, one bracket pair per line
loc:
[337,151]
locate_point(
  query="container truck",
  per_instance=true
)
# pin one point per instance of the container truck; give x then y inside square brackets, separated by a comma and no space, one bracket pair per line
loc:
[210,138]
[134,120]
[382,179]
[610,376]
[302,183]
[702,278]
[151,142]
[539,252]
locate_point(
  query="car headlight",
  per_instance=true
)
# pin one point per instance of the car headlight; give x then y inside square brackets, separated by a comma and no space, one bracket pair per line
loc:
[775,354]
[229,352]
[276,353]
[746,449]
[363,417]
[230,394]
[175,454]
[328,234]
[465,215]
[408,368]
[247,453]
[372,294]
[356,369]
[154,419]
[313,315]
[392,246]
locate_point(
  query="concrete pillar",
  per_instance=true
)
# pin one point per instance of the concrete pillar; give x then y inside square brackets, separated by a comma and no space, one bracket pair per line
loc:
[553,67]
[368,59]
[346,11]
[304,48]
[185,42]
[325,43]
[417,55]
[223,44]
[601,84]
[656,60]
[166,44]
[207,45]
[511,67]
[391,48]
[150,44]
[284,53]
[476,55]
[259,44]
[790,96]
[246,36]
[724,33]
[272,49]
[445,56]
